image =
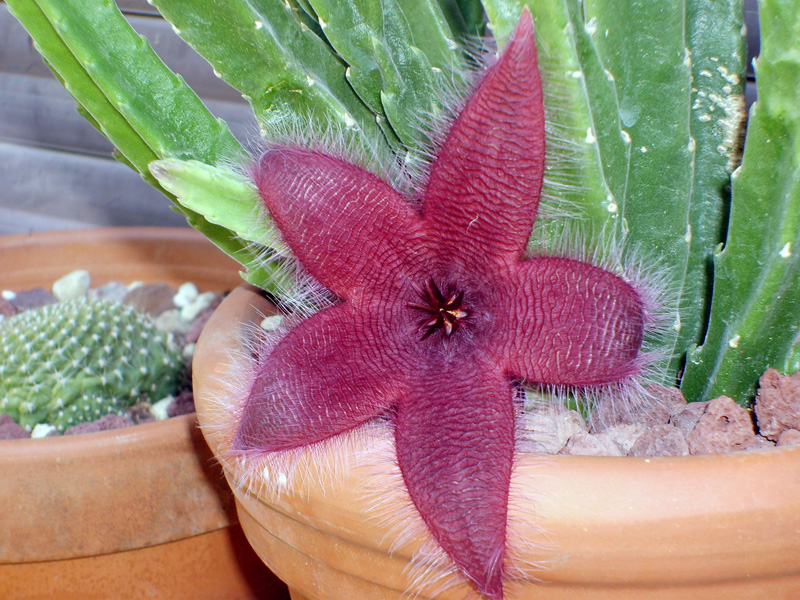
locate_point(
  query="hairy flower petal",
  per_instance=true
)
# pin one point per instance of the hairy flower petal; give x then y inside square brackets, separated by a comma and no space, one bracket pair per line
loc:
[440,312]
[321,380]
[572,323]
[454,435]
[483,190]
[338,219]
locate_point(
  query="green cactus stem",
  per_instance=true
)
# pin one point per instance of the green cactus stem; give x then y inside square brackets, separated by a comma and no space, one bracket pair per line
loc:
[755,312]
[76,361]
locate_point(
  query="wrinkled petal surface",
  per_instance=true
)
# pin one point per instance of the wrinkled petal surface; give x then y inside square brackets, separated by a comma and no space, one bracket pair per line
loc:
[321,380]
[572,323]
[338,219]
[483,190]
[455,443]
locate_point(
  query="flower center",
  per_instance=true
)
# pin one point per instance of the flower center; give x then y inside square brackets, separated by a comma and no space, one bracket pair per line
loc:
[442,313]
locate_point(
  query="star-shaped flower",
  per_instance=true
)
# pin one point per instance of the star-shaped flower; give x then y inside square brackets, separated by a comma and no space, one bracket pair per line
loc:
[440,312]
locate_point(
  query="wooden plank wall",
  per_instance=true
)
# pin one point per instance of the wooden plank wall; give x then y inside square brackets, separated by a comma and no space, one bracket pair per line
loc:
[55,169]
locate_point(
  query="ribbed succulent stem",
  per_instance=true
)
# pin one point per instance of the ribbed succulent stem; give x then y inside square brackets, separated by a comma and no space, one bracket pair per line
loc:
[76,361]
[124,89]
[755,314]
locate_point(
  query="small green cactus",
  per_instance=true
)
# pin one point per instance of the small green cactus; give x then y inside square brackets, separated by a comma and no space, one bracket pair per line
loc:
[76,361]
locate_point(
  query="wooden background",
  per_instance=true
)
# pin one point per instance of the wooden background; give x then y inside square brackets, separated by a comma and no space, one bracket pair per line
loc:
[56,171]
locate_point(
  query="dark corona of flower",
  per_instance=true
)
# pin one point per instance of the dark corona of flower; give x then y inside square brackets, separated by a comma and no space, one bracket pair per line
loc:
[445,314]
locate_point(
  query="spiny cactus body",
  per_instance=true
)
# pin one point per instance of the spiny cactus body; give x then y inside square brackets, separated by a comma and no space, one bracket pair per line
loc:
[79,360]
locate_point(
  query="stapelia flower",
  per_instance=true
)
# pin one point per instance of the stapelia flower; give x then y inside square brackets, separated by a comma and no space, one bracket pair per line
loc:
[441,312]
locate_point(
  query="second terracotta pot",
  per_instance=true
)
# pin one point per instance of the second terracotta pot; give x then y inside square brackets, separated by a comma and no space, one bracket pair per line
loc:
[141,512]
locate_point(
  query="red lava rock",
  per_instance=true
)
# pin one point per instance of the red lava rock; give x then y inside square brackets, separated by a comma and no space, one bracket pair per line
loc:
[587,444]
[668,400]
[545,428]
[653,410]
[11,430]
[777,405]
[686,418]
[605,414]
[197,325]
[152,298]
[7,308]
[660,440]
[724,427]
[102,424]
[790,437]
[759,442]
[33,298]
[182,404]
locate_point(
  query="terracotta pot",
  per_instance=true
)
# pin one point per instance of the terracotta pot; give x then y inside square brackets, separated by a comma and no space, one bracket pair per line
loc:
[141,512]
[723,526]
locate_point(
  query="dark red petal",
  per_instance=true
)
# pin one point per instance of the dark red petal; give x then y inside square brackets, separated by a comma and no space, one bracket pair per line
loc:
[332,373]
[571,323]
[455,443]
[483,190]
[348,228]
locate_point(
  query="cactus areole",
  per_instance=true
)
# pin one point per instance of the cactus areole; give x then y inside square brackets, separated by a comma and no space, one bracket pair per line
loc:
[440,312]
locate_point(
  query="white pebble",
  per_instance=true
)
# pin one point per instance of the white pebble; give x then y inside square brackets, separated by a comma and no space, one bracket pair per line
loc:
[171,321]
[196,306]
[41,430]
[272,323]
[187,294]
[8,294]
[73,285]
[159,409]
[188,351]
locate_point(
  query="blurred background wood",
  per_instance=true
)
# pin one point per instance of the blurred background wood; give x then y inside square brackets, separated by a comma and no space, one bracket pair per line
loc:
[56,170]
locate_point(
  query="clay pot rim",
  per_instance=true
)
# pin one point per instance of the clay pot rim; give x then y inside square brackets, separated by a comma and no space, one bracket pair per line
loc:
[149,254]
[150,432]
[58,237]
[91,493]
